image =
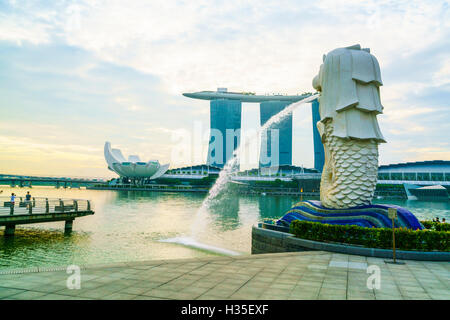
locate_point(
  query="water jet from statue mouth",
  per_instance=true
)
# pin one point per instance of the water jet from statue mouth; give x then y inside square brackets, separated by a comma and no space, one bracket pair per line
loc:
[232,164]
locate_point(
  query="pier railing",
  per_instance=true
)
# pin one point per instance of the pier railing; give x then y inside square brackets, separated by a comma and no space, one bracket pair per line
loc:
[41,205]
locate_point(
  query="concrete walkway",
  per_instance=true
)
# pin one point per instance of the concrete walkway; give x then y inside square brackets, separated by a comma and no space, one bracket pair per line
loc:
[300,275]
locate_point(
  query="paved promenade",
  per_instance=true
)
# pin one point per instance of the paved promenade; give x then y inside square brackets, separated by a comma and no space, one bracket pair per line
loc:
[301,275]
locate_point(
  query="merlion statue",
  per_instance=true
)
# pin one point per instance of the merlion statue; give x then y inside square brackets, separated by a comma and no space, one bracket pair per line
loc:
[349,81]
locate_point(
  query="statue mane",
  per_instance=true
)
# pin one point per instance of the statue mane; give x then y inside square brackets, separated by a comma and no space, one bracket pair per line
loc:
[349,81]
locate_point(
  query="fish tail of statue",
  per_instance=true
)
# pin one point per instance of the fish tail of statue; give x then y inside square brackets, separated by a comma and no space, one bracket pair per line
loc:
[349,176]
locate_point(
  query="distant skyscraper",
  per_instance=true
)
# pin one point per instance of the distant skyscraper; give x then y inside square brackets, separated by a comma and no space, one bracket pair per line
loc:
[319,153]
[267,156]
[225,125]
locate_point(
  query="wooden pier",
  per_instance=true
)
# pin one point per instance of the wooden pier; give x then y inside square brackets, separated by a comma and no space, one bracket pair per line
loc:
[40,210]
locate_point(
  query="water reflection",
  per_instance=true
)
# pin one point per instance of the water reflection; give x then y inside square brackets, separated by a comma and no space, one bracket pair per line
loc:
[421,209]
[128,226]
[270,207]
[33,244]
[224,214]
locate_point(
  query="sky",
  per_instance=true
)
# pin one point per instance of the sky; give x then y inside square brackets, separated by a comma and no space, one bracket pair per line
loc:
[74,74]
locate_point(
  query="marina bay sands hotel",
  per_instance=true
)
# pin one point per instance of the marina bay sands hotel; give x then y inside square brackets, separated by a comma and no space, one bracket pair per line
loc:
[225,113]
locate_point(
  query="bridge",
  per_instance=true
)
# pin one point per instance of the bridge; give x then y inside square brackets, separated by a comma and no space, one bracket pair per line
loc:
[40,210]
[29,181]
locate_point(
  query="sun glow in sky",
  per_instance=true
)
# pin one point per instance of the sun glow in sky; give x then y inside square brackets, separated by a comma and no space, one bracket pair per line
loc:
[74,74]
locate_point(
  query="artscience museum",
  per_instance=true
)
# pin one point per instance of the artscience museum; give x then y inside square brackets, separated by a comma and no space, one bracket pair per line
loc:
[133,168]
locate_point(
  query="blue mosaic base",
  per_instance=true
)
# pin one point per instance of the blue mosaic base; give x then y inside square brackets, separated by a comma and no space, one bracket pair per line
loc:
[375,215]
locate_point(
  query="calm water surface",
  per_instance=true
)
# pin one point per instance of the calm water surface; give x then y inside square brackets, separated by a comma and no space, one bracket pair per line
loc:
[128,226]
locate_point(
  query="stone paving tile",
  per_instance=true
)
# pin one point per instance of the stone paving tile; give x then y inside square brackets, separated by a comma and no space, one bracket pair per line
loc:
[388,290]
[331,297]
[134,290]
[282,286]
[216,292]
[276,292]
[7,292]
[359,297]
[160,293]
[381,296]
[434,285]
[416,296]
[120,296]
[147,298]
[261,281]
[78,298]
[208,296]
[147,284]
[17,284]
[98,293]
[52,296]
[50,288]
[245,296]
[304,275]
[331,291]
[72,292]
[334,285]
[194,292]
[435,293]
[91,284]
[303,295]
[268,296]
[309,284]
[304,291]
[27,295]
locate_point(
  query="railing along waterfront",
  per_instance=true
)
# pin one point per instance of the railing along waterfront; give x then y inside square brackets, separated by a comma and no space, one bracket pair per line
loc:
[40,210]
[42,205]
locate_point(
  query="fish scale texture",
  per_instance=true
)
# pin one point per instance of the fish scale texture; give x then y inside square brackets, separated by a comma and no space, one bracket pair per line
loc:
[350,172]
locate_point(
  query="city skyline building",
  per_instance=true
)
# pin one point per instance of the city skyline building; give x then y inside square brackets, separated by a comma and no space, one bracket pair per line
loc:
[280,154]
[225,137]
[319,152]
[225,125]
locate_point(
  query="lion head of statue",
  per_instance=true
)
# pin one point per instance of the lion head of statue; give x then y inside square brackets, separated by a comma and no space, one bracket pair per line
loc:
[349,80]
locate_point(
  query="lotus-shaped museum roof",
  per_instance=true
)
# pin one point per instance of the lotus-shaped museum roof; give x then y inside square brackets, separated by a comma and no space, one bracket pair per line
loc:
[133,167]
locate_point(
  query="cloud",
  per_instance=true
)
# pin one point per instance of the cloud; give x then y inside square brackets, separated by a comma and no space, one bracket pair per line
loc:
[442,76]
[205,44]
[19,29]
[81,63]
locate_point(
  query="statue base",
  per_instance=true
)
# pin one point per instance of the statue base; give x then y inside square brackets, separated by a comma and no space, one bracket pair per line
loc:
[374,215]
